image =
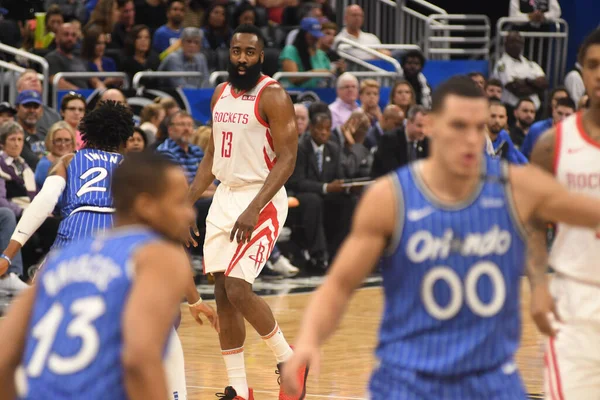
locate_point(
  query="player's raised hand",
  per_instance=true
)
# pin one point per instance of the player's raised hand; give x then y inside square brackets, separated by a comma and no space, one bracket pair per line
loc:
[304,355]
[244,226]
[543,307]
[208,312]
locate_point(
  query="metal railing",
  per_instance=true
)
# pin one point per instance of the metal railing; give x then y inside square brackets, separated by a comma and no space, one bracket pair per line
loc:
[548,49]
[471,36]
[67,75]
[342,45]
[11,73]
[400,21]
[35,59]
[215,76]
[383,75]
[135,83]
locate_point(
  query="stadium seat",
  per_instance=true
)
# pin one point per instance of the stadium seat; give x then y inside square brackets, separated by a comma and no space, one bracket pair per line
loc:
[271,63]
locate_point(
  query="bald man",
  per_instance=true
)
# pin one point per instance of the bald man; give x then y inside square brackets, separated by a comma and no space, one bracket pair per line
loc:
[301,117]
[354,17]
[114,95]
[391,118]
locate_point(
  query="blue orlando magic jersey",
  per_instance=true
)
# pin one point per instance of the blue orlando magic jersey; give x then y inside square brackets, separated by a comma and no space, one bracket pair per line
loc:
[452,282]
[88,181]
[73,347]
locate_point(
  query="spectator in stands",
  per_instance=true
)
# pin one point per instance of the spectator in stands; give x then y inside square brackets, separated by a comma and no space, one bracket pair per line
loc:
[17,181]
[215,26]
[564,107]
[412,63]
[584,103]
[139,55]
[357,121]
[7,112]
[304,56]
[29,112]
[29,80]
[330,30]
[354,18]
[63,60]
[194,13]
[60,141]
[151,116]
[403,95]
[301,118]
[503,145]
[187,58]
[478,78]
[524,118]
[54,19]
[357,159]
[519,76]
[318,107]
[494,89]
[391,118]
[244,14]
[325,211]
[10,284]
[308,10]
[535,12]
[69,9]
[92,51]
[559,92]
[345,103]
[403,144]
[369,99]
[114,95]
[137,141]
[152,13]
[171,108]
[275,8]
[326,9]
[72,109]
[574,83]
[105,16]
[168,34]
[123,25]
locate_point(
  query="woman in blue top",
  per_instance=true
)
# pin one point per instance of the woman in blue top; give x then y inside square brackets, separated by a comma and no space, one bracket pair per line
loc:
[60,140]
[92,50]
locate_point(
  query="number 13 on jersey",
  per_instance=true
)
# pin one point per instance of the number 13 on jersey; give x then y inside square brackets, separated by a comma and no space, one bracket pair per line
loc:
[227,137]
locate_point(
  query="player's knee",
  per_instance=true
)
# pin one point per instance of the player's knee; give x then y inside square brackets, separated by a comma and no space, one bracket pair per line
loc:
[237,291]
[220,292]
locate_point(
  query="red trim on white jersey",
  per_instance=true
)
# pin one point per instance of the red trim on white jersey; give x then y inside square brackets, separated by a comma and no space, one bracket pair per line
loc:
[256,103]
[235,96]
[583,133]
[557,149]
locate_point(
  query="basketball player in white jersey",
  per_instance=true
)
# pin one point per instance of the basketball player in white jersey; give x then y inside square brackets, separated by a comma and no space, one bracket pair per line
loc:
[252,152]
[571,151]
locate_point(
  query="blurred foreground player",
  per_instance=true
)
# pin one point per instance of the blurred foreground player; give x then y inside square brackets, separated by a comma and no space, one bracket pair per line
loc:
[97,323]
[451,230]
[571,151]
[252,152]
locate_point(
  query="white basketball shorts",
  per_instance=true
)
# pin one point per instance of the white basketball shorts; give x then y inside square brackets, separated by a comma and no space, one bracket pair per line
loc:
[572,360]
[244,260]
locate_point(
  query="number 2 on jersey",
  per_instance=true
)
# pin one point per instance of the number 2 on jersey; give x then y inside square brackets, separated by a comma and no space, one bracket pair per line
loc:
[226,144]
[87,187]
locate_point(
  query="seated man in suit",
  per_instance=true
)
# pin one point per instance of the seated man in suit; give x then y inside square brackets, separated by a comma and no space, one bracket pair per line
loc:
[325,207]
[403,145]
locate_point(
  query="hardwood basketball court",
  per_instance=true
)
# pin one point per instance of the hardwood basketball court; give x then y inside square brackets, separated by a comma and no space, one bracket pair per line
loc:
[347,359]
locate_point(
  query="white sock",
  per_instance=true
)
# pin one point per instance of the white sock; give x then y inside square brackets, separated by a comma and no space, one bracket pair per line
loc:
[175,368]
[236,370]
[276,342]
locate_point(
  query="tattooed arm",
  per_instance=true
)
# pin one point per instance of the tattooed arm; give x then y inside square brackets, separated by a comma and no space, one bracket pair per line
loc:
[542,302]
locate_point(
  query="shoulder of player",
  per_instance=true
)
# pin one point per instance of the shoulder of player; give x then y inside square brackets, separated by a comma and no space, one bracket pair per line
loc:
[218,91]
[543,151]
[377,208]
[274,94]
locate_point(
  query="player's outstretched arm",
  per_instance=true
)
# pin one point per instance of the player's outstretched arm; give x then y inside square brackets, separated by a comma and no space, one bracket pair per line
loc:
[41,206]
[374,223]
[161,277]
[276,106]
[13,331]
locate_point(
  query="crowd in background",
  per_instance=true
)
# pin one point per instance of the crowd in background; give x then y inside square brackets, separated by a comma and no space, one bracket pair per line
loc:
[341,144]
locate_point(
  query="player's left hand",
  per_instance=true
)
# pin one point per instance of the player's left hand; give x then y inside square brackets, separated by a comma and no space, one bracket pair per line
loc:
[244,226]
[303,355]
[542,307]
[208,312]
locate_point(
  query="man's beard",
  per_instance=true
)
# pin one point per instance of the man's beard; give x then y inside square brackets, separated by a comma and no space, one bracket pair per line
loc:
[495,130]
[524,124]
[248,80]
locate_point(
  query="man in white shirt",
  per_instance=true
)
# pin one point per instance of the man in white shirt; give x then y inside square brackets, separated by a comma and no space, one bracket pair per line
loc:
[536,12]
[520,77]
[574,84]
[354,18]
[345,103]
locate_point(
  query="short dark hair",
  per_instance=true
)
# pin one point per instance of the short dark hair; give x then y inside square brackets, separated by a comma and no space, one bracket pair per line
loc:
[122,3]
[494,82]
[54,9]
[107,127]
[71,96]
[411,54]
[498,103]
[251,30]
[317,117]
[171,2]
[558,89]
[318,107]
[142,172]
[474,74]
[591,40]
[524,100]
[142,134]
[459,85]
[566,102]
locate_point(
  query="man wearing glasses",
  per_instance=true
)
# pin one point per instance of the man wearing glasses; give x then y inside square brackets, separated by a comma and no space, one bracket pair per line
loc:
[345,103]
[29,112]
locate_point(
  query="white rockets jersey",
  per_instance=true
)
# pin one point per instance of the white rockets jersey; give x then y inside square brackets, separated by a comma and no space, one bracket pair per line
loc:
[576,251]
[244,151]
